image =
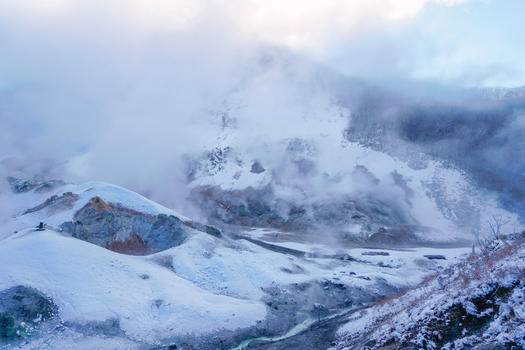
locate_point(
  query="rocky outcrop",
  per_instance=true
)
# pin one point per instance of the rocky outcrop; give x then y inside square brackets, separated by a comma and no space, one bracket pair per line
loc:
[248,207]
[361,218]
[133,245]
[21,186]
[204,228]
[257,168]
[22,310]
[55,204]
[124,230]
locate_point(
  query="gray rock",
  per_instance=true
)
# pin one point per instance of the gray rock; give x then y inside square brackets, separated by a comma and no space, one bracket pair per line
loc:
[376,253]
[22,310]
[257,168]
[380,223]
[124,230]
[26,304]
[22,186]
[435,257]
[55,203]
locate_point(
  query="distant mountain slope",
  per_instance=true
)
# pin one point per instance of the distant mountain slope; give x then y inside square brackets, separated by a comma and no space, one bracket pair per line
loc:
[346,189]
[478,131]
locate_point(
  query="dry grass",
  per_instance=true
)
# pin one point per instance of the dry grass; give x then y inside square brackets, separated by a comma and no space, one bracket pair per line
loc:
[501,254]
[429,278]
[390,299]
[387,300]
[471,258]
[460,280]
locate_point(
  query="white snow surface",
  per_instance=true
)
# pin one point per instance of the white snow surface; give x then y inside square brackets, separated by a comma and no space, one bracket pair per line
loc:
[90,283]
[214,284]
[241,268]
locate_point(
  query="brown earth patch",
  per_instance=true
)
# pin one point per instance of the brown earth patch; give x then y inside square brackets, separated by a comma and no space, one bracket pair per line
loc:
[132,246]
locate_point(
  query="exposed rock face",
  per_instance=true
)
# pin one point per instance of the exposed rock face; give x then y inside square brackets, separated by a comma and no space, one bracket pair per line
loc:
[362,218]
[257,168]
[435,257]
[133,245]
[55,203]
[125,230]
[204,228]
[21,186]
[21,310]
[249,207]
[217,158]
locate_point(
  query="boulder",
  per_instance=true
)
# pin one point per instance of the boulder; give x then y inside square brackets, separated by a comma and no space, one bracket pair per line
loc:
[125,230]
[22,309]
[257,168]
[435,257]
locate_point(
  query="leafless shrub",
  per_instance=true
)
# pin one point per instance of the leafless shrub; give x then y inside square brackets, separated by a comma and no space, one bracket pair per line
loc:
[496,223]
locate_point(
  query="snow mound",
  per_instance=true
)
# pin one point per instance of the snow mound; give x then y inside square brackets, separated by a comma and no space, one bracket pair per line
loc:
[89,283]
[84,193]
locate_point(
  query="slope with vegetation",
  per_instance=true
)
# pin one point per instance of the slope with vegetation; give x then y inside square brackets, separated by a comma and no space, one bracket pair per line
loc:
[477,303]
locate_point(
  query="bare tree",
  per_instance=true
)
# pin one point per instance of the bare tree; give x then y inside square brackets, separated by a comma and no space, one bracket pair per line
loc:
[483,243]
[496,223]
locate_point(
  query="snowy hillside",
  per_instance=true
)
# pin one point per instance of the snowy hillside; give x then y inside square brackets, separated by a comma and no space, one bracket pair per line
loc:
[476,304]
[262,174]
[211,289]
[289,243]
[92,284]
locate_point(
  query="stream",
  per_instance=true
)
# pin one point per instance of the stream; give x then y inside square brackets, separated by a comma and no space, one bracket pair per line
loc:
[301,327]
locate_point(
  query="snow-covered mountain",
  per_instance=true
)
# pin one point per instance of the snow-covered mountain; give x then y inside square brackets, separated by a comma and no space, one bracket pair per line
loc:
[262,174]
[208,288]
[289,232]
[287,236]
[353,191]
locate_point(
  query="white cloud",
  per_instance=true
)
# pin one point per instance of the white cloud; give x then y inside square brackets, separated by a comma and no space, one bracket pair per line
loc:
[451,2]
[306,24]
[298,24]
[130,84]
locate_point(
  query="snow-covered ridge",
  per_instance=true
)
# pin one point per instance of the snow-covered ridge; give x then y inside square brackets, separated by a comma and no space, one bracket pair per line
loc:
[107,215]
[501,93]
[90,283]
[108,192]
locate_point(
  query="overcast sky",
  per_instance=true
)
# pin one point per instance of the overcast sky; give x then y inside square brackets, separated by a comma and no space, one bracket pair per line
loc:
[465,42]
[106,86]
